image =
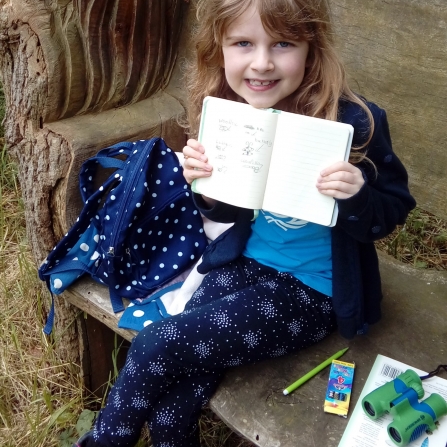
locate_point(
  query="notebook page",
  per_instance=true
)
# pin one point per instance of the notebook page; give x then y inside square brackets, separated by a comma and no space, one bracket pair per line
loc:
[304,146]
[238,140]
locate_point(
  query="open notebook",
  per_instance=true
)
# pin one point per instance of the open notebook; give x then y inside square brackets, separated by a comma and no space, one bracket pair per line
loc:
[269,159]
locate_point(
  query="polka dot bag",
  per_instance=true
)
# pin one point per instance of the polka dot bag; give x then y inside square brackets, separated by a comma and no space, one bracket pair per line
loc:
[137,231]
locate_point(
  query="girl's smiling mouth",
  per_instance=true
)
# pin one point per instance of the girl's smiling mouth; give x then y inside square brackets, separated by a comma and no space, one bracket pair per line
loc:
[261,85]
[256,82]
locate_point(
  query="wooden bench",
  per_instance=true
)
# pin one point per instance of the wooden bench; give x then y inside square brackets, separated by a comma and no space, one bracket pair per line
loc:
[72,87]
[413,330]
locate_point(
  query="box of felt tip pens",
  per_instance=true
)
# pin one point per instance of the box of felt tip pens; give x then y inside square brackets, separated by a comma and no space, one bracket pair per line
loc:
[338,394]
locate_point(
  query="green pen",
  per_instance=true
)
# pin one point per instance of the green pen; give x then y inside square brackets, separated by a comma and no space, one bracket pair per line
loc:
[312,373]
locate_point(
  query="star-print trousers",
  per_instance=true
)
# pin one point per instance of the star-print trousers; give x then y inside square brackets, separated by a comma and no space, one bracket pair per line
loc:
[242,313]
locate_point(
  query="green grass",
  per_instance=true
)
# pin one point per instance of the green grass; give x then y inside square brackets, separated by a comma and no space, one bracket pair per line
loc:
[2,111]
[421,242]
[41,396]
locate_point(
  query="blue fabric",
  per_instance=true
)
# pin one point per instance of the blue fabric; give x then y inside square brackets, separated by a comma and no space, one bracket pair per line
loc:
[137,317]
[138,229]
[295,246]
[82,256]
[140,314]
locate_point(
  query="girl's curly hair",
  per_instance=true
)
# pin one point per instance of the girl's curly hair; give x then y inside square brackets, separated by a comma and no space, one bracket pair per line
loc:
[324,83]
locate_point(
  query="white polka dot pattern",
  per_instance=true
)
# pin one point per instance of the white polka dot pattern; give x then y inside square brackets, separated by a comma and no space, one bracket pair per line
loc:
[137,230]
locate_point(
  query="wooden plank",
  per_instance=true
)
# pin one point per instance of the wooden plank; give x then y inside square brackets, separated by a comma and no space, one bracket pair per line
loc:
[103,351]
[93,299]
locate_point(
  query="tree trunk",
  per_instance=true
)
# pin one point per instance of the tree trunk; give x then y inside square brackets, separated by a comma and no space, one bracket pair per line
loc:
[80,75]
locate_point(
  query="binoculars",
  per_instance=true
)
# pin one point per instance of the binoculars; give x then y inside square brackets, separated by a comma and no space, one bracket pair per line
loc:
[400,398]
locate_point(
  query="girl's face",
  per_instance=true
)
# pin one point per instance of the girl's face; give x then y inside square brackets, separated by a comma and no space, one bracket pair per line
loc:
[261,69]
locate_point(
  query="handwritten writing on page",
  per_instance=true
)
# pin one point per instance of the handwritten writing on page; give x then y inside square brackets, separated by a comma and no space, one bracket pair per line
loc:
[303,147]
[238,140]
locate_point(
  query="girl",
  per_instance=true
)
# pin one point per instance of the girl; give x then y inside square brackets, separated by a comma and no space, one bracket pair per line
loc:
[269,290]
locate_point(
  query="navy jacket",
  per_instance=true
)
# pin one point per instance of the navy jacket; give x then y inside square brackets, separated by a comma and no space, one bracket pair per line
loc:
[383,202]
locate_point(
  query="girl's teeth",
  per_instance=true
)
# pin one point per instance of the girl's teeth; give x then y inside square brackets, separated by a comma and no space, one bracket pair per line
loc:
[252,82]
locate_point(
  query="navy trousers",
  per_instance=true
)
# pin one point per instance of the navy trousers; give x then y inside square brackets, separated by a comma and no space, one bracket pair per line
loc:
[242,313]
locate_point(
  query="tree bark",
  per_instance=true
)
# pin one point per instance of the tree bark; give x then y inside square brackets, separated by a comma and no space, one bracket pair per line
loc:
[79,75]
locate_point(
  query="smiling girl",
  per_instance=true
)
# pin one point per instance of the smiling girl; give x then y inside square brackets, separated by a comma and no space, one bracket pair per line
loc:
[271,288]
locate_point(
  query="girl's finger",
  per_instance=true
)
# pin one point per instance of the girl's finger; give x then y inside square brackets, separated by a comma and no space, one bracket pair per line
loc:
[193,163]
[339,167]
[195,145]
[354,178]
[192,174]
[338,185]
[339,189]
[190,152]
[336,194]
[340,176]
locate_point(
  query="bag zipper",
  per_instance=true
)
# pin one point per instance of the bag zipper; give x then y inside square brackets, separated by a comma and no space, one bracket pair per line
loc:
[124,203]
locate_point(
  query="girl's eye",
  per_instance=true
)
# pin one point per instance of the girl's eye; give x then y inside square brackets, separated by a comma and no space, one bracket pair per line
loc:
[283,44]
[243,43]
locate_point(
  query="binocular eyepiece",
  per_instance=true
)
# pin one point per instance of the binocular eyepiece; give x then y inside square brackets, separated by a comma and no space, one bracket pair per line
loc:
[400,397]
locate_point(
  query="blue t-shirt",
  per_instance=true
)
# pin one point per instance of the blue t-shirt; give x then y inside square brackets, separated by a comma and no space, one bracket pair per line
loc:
[295,246]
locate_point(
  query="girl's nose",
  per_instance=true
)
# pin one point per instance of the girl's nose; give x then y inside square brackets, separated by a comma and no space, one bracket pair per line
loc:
[262,60]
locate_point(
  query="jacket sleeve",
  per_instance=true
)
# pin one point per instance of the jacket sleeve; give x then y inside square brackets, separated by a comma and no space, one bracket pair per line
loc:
[230,244]
[220,212]
[384,201]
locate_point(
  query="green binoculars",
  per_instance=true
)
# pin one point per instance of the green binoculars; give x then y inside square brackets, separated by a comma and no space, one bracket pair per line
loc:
[400,398]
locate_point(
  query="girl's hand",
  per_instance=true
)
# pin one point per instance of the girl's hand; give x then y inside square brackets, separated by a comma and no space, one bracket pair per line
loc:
[196,162]
[340,180]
